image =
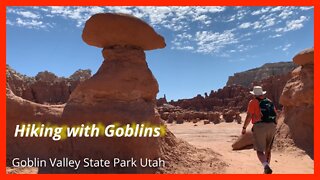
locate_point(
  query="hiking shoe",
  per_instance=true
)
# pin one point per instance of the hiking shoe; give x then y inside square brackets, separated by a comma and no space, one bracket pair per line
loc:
[267,169]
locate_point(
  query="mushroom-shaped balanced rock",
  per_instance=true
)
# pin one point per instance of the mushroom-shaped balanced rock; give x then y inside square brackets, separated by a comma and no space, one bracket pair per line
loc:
[106,30]
[122,91]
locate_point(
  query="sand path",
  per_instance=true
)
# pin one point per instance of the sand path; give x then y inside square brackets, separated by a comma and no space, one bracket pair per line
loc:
[220,137]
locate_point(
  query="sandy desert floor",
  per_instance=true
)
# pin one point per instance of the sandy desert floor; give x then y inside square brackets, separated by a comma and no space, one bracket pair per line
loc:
[220,137]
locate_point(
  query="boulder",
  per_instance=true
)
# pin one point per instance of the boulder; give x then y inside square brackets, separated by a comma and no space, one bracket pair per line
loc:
[231,115]
[165,115]
[244,141]
[206,122]
[195,120]
[179,118]
[171,118]
[214,117]
[238,119]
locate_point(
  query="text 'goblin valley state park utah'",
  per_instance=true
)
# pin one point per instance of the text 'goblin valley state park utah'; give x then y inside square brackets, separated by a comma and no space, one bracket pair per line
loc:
[160,90]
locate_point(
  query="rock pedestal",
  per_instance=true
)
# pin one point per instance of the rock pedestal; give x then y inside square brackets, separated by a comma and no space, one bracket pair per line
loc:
[122,91]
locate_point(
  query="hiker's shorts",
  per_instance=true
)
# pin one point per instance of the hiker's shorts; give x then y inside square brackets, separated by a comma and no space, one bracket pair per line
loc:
[263,135]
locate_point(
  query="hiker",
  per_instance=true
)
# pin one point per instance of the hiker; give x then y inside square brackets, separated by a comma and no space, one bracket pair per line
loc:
[262,113]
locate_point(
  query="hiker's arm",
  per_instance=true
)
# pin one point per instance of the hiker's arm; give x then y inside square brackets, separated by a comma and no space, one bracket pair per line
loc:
[246,123]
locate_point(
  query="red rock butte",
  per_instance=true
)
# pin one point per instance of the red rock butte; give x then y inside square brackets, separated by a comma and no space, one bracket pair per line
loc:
[106,30]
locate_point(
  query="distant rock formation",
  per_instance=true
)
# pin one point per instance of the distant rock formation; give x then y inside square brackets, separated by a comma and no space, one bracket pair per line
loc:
[235,95]
[20,111]
[298,101]
[162,101]
[258,74]
[45,87]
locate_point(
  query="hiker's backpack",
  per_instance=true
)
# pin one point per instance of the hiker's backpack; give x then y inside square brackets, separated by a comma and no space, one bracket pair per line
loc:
[267,110]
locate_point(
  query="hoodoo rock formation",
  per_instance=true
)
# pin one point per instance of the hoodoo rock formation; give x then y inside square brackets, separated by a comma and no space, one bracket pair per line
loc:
[298,101]
[122,91]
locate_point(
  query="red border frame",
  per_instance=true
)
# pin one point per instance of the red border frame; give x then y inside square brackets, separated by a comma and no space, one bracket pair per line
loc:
[4,3]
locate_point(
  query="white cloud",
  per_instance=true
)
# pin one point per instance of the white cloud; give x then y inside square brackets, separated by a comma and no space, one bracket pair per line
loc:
[212,42]
[182,41]
[245,25]
[23,13]
[187,25]
[257,25]
[184,48]
[261,11]
[293,25]
[241,14]
[283,47]
[168,17]
[275,36]
[232,18]
[201,18]
[243,47]
[28,14]
[286,47]
[8,22]
[277,8]
[285,14]
[305,8]
[270,22]
[32,24]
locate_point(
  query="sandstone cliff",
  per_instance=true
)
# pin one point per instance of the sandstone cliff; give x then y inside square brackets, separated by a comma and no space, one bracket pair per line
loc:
[257,74]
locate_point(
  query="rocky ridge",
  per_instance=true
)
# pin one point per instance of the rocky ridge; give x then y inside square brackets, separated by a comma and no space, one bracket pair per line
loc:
[45,87]
[267,70]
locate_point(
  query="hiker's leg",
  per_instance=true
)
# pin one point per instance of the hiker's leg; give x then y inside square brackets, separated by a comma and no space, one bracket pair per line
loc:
[268,155]
[261,156]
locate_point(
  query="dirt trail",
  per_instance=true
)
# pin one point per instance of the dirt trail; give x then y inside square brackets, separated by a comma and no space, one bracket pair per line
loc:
[220,137]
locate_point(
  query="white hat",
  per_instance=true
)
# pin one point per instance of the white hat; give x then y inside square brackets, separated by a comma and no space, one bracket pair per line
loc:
[257,91]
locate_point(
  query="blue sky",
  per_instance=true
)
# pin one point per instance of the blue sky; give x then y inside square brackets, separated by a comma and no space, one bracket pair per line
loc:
[205,45]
